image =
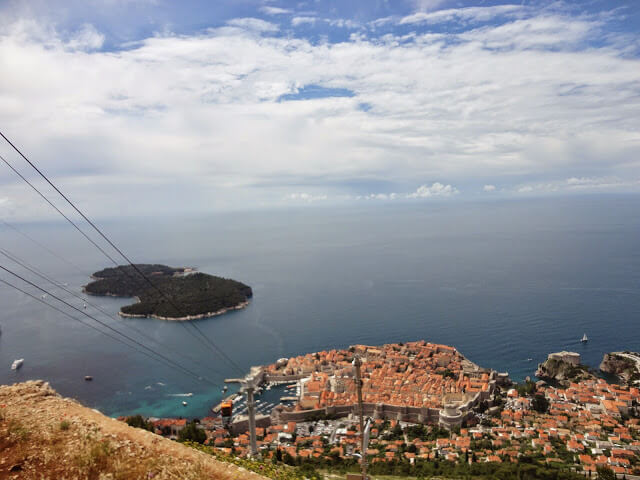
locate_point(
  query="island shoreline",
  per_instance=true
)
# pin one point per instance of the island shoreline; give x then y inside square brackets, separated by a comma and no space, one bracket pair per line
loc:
[222,311]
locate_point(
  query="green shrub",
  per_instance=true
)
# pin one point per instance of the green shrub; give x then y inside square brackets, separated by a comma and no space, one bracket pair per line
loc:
[277,471]
[540,404]
[191,433]
[138,421]
[17,431]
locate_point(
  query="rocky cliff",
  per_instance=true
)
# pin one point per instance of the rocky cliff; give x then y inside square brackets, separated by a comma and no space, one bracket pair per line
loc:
[624,365]
[45,436]
[562,372]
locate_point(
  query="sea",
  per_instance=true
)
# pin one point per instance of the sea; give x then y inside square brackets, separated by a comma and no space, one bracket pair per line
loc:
[505,281]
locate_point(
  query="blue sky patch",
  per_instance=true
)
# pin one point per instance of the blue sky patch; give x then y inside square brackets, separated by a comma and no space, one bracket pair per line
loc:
[312,92]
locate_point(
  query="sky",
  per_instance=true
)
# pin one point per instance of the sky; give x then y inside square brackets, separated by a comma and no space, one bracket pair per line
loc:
[139,107]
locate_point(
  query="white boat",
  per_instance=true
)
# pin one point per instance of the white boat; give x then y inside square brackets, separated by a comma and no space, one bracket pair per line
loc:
[584,338]
[184,404]
[17,364]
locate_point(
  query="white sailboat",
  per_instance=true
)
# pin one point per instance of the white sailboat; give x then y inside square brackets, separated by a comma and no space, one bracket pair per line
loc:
[584,338]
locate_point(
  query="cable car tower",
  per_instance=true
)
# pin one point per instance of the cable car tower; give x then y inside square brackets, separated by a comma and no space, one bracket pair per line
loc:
[248,386]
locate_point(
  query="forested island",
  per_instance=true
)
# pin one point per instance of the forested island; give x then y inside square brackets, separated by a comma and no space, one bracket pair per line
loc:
[169,293]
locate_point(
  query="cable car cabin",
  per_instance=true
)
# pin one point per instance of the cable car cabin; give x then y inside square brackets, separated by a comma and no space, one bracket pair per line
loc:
[226,409]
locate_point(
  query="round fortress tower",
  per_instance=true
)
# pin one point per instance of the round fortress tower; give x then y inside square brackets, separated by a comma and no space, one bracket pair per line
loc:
[451,416]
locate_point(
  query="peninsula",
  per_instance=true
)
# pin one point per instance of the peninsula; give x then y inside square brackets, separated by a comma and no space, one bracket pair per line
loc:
[417,382]
[435,414]
[169,293]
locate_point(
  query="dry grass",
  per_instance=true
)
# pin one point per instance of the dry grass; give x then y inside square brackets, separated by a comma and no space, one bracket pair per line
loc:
[45,436]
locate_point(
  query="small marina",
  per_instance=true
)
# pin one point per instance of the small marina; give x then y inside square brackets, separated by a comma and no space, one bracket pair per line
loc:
[268,396]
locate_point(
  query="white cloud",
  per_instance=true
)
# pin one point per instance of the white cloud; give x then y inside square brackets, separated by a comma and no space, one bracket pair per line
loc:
[436,189]
[538,32]
[582,184]
[424,191]
[426,5]
[255,24]
[199,115]
[467,14]
[274,10]
[580,181]
[87,38]
[600,183]
[305,197]
[379,196]
[343,23]
[489,188]
[297,21]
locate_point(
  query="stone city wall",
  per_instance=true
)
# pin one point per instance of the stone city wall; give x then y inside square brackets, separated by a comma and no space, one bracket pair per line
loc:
[284,378]
[241,426]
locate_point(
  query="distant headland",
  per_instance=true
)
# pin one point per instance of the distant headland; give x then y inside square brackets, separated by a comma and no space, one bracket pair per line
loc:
[176,294]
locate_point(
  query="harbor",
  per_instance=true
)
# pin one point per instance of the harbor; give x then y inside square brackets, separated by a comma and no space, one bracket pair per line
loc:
[267,395]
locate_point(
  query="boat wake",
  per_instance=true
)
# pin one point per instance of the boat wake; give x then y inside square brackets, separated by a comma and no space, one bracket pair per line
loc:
[179,394]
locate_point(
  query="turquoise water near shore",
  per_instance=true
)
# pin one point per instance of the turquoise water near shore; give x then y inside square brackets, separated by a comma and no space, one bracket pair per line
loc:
[502,281]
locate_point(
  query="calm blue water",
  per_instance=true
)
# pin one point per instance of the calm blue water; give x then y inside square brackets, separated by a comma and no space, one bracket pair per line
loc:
[503,282]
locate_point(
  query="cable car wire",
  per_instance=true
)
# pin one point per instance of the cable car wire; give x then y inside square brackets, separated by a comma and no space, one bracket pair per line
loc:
[44,247]
[206,339]
[46,292]
[14,258]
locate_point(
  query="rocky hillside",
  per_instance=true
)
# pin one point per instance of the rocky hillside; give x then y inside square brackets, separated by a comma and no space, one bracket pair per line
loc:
[43,435]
